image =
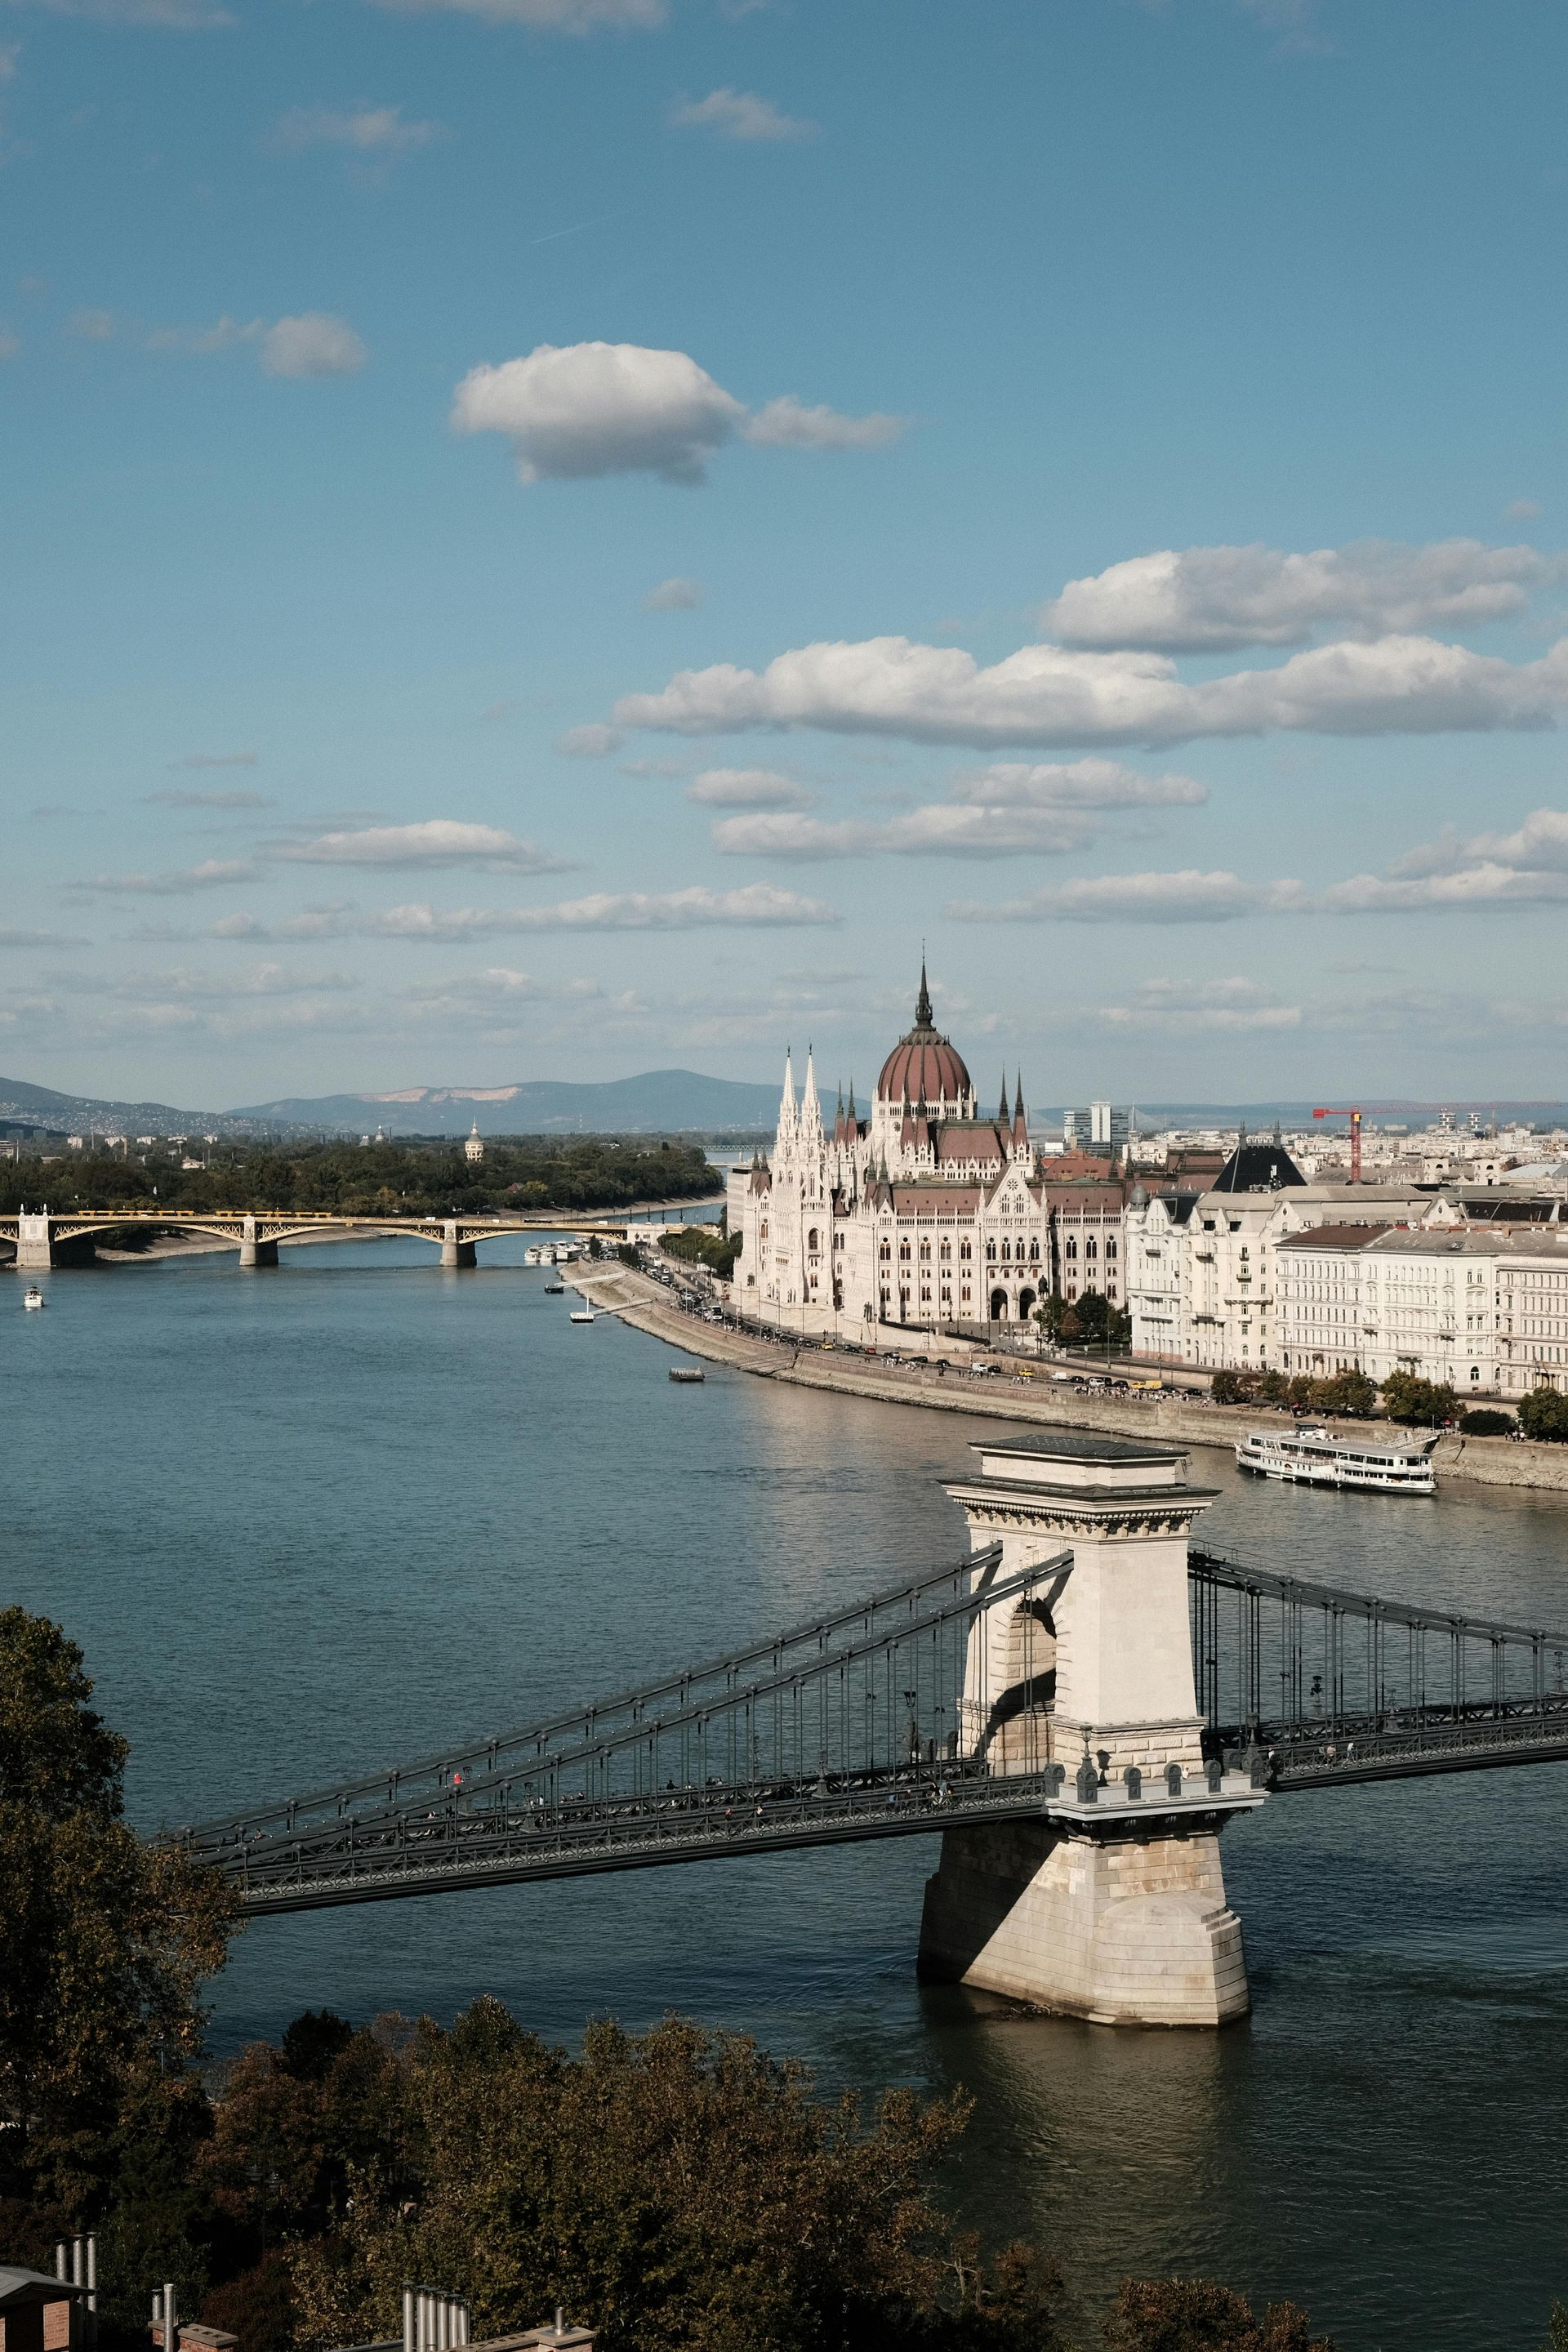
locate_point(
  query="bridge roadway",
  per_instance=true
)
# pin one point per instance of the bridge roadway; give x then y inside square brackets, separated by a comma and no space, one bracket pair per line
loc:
[256,1232]
[839,1731]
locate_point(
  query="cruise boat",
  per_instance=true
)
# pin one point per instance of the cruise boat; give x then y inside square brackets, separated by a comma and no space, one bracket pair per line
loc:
[1317,1457]
[34,1300]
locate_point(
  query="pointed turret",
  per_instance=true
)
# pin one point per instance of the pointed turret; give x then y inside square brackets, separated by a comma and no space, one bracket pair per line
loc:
[1005,1117]
[810,1108]
[923,1001]
[1020,1124]
[786,1107]
[851,1122]
[838,1116]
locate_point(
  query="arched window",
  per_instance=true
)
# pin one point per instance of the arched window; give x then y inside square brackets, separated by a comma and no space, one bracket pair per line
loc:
[1072,1246]
[963,1250]
[1006,1251]
[990,1252]
[925,1252]
[1035,1252]
[1110,1247]
[1088,1247]
[903,1253]
[946,1252]
[884,1252]
[810,1242]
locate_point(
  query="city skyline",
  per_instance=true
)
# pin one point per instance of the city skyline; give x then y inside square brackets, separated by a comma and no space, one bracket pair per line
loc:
[510,578]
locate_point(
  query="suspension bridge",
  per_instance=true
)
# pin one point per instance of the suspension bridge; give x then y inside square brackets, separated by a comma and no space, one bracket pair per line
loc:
[1076,1707]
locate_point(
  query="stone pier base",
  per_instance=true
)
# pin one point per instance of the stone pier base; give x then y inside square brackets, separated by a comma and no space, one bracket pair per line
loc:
[1128,1929]
[459,1254]
[257,1254]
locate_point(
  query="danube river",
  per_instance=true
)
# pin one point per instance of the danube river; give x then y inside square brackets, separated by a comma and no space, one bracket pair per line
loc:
[309,1522]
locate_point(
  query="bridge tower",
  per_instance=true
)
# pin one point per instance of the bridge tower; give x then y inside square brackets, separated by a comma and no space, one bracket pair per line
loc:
[1111,1904]
[35,1239]
[254,1249]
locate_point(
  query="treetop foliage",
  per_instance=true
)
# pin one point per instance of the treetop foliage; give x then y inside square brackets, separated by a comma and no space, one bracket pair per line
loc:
[376,1180]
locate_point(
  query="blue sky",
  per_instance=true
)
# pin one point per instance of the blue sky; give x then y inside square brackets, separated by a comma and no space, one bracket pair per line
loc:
[553,537]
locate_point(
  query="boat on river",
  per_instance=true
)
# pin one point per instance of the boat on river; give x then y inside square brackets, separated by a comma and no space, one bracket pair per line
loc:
[1310,1456]
[686,1374]
[580,1314]
[34,1300]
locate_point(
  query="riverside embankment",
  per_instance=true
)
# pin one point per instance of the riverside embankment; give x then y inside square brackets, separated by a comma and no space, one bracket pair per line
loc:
[1179,1416]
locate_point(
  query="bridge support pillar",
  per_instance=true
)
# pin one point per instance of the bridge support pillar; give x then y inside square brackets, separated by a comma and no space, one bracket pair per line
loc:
[1121,1929]
[455,1251]
[1111,1906]
[254,1248]
[34,1243]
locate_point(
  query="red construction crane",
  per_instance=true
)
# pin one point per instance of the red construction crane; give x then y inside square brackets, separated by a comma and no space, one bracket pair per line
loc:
[1354,1119]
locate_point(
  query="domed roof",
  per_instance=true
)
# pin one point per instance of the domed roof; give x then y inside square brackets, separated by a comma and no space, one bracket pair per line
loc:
[922,1065]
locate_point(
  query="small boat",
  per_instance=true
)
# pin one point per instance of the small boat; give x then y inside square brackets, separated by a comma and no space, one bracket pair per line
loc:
[580,1314]
[555,1290]
[687,1373]
[1316,1457]
[34,1300]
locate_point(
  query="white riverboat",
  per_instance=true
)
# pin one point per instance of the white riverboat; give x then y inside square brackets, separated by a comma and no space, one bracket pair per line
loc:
[34,1300]
[1317,1457]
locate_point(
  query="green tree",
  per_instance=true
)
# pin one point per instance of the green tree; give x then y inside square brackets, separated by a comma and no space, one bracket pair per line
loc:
[1230,1388]
[677,2187]
[1543,1413]
[1349,1393]
[1419,1404]
[1179,2314]
[1484,1423]
[104,1942]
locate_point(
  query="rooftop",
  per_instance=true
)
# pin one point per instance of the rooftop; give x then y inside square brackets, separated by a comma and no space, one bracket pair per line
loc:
[1077,1445]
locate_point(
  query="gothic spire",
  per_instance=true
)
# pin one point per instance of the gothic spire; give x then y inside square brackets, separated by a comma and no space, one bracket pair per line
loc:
[923,1002]
[1004,1115]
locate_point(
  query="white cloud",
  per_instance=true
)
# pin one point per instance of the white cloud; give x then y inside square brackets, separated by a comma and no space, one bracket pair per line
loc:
[1458,873]
[786,424]
[577,411]
[590,743]
[374,130]
[1082,784]
[1051,695]
[314,923]
[212,874]
[259,980]
[736,114]
[1184,1007]
[758,906]
[589,409]
[1521,511]
[167,15]
[747,788]
[940,829]
[315,344]
[10,344]
[1184,898]
[1212,599]
[179,799]
[439,842]
[93,325]
[674,596]
[546,16]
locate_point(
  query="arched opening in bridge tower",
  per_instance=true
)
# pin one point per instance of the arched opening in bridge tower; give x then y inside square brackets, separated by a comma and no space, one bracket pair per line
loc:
[1016,1737]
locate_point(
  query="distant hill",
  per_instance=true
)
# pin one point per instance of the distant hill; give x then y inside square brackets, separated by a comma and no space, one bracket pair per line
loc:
[658,1101]
[76,1114]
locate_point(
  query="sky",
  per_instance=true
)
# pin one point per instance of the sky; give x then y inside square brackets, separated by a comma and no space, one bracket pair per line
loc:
[557,537]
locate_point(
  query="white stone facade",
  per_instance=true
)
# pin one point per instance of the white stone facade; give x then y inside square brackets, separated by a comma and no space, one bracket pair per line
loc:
[924,1215]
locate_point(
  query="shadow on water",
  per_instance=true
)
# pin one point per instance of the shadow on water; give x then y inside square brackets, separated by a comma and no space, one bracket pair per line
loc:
[308,1521]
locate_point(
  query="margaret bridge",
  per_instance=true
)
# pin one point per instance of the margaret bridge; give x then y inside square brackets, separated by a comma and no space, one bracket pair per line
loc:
[38,1235]
[1077,1707]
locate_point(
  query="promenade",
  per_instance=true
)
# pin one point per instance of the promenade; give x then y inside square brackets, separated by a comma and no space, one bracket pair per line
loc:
[1179,1416]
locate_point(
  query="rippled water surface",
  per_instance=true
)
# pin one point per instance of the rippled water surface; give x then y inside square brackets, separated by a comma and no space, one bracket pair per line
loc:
[308,1520]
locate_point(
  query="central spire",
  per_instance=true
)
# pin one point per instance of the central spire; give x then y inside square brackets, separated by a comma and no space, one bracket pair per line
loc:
[923,1001]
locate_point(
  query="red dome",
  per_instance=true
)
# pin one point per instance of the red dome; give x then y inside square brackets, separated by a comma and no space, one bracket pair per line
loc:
[922,1065]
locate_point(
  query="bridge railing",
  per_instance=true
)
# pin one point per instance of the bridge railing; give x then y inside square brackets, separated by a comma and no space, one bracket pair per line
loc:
[842,1698]
[1327,1680]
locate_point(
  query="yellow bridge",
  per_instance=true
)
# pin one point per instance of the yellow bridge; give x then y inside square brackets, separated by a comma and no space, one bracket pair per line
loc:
[36,1235]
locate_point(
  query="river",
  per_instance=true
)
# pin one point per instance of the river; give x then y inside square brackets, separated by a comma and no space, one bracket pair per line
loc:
[310,1521]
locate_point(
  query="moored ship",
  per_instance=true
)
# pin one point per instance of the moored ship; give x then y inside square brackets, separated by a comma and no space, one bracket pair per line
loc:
[1317,1457]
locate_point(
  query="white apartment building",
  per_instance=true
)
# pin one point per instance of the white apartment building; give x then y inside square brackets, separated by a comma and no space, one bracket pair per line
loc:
[1483,1308]
[1200,1268]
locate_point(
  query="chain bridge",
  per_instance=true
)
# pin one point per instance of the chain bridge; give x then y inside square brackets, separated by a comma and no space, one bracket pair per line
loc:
[36,1235]
[1077,1707]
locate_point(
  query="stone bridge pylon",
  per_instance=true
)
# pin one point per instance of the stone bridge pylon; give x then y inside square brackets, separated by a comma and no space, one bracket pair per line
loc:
[1112,1907]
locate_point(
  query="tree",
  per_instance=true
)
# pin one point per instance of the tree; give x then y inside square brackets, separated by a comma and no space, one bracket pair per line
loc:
[1349,1393]
[677,2187]
[1057,1320]
[1487,1423]
[104,1942]
[1229,1388]
[1419,1404]
[1543,1413]
[1180,2315]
